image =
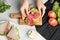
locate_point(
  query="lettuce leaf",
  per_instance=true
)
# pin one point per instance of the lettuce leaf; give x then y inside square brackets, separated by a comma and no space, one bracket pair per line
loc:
[59,20]
[55,7]
[33,10]
[59,12]
[3,34]
[26,20]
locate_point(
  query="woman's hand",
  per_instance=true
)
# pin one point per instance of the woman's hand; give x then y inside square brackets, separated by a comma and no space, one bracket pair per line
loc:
[41,7]
[24,8]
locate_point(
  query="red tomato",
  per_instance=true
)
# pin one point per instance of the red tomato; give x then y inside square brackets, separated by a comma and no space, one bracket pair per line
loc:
[53,22]
[52,14]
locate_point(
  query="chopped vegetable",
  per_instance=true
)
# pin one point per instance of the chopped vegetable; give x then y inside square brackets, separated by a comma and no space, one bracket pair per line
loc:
[4,7]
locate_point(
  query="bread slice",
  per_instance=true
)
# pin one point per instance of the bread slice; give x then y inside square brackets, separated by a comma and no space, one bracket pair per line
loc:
[4,26]
[13,34]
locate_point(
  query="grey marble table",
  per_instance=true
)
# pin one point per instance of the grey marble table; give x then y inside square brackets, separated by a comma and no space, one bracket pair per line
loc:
[15,7]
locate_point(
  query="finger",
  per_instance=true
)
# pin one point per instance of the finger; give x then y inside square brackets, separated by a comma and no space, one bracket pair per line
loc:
[43,11]
[39,11]
[23,12]
[27,11]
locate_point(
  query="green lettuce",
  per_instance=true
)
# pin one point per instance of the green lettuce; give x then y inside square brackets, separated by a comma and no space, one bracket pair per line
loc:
[55,7]
[59,12]
[59,20]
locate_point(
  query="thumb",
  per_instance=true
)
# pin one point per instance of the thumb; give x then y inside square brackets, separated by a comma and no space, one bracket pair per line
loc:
[27,12]
[23,12]
[40,11]
[43,11]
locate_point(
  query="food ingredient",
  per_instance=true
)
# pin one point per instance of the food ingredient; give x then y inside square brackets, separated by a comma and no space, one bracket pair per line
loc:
[53,22]
[4,7]
[52,14]
[59,20]
[55,7]
[59,13]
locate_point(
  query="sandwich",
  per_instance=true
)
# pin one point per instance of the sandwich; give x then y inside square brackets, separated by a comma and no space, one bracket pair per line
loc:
[13,34]
[34,17]
[4,27]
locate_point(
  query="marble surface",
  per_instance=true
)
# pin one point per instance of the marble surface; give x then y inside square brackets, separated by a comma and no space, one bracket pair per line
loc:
[15,7]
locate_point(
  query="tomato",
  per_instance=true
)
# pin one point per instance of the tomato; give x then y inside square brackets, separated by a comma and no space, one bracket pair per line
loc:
[52,14]
[53,22]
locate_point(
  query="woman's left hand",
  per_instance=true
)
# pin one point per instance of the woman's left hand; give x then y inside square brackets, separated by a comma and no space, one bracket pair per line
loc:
[41,7]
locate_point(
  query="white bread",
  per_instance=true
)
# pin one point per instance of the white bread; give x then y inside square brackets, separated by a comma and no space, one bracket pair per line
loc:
[3,26]
[12,34]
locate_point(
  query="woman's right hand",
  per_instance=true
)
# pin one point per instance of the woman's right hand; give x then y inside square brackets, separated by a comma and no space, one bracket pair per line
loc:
[24,8]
